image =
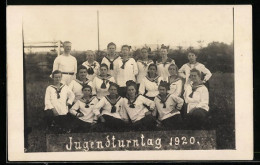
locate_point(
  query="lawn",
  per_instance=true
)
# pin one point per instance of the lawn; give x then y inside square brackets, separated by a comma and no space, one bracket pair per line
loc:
[221,109]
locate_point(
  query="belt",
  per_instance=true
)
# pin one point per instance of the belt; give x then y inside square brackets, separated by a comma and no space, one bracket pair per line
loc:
[69,73]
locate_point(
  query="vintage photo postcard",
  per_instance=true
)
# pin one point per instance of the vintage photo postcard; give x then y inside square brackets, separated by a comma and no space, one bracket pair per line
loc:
[130,82]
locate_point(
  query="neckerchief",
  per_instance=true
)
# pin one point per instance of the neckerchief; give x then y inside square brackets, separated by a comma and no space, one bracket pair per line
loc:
[113,109]
[89,101]
[111,67]
[145,63]
[153,80]
[131,103]
[163,101]
[58,90]
[194,89]
[168,61]
[105,81]
[123,65]
[82,83]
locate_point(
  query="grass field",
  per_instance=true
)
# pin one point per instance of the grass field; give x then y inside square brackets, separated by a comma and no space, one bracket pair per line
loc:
[221,111]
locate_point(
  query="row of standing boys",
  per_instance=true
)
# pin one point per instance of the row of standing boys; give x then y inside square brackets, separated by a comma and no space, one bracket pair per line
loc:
[121,94]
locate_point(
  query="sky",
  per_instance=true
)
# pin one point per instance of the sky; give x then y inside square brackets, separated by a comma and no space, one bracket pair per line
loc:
[132,25]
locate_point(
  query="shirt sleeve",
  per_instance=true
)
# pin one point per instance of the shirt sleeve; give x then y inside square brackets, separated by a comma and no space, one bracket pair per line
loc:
[71,96]
[93,87]
[148,102]
[123,112]
[48,104]
[71,85]
[74,108]
[204,98]
[97,68]
[207,73]
[179,101]
[187,98]
[98,106]
[142,87]
[182,71]
[178,90]
[56,64]
[135,67]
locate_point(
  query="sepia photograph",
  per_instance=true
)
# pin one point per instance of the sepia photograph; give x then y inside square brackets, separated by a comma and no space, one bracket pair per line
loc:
[95,80]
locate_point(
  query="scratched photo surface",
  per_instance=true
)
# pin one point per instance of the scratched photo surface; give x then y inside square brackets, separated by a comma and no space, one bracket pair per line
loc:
[206,32]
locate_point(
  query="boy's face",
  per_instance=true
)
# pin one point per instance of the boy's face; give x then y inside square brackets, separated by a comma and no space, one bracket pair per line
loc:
[111,49]
[86,92]
[131,91]
[90,56]
[103,71]
[163,52]
[162,90]
[112,90]
[82,73]
[152,70]
[195,78]
[172,70]
[125,52]
[67,48]
[57,78]
[192,57]
[144,53]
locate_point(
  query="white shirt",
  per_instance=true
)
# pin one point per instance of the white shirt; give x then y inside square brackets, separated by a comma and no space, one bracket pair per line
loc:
[95,66]
[65,63]
[115,61]
[142,69]
[60,104]
[106,106]
[97,85]
[76,88]
[175,87]
[172,103]
[163,68]
[200,98]
[87,111]
[138,111]
[184,71]
[128,73]
[150,86]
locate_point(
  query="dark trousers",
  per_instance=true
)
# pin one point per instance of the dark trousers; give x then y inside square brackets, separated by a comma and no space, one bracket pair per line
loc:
[197,119]
[147,123]
[57,124]
[122,91]
[79,126]
[111,124]
[174,122]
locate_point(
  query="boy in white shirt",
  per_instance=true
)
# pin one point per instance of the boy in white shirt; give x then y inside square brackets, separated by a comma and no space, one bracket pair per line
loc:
[57,99]
[197,98]
[184,71]
[91,65]
[66,63]
[81,80]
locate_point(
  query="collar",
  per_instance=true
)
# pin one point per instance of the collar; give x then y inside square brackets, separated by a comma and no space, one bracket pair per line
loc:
[177,79]
[81,82]
[61,86]
[102,78]
[167,96]
[112,60]
[89,101]
[168,61]
[152,80]
[134,99]
[197,63]
[108,99]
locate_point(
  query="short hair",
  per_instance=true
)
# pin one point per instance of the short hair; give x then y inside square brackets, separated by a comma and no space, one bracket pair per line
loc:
[176,67]
[66,42]
[144,48]
[131,83]
[192,52]
[164,84]
[90,52]
[104,65]
[55,72]
[197,71]
[81,67]
[154,65]
[112,84]
[111,43]
[126,46]
[86,86]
